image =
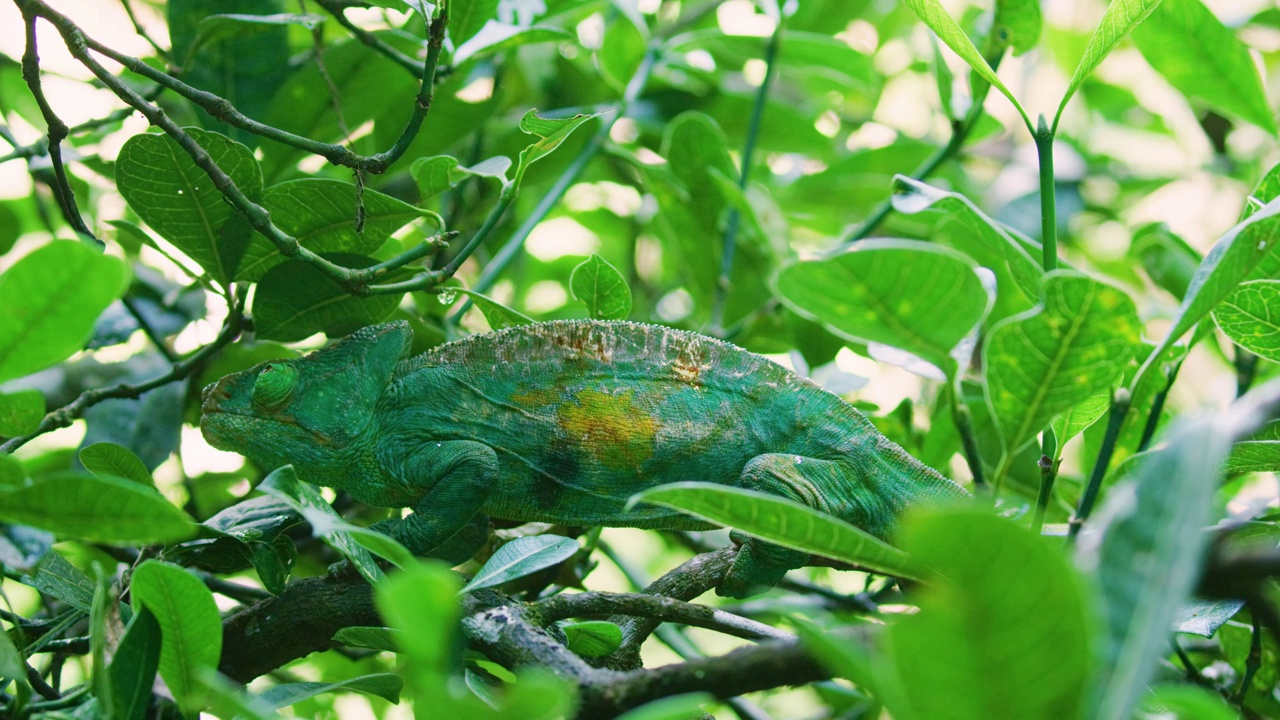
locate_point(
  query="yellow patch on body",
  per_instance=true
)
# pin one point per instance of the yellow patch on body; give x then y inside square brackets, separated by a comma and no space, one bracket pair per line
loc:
[609,427]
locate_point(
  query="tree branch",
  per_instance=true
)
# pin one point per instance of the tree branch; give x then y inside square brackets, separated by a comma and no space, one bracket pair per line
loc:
[656,607]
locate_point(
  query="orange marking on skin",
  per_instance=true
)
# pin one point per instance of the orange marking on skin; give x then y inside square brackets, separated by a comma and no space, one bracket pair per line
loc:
[609,427]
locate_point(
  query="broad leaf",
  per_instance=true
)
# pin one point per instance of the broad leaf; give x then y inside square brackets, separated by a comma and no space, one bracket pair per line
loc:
[190,628]
[1258,453]
[1074,421]
[295,301]
[781,521]
[421,603]
[1250,316]
[58,578]
[1167,259]
[133,667]
[523,556]
[1204,617]
[1020,20]
[989,570]
[592,638]
[323,215]
[20,412]
[215,28]
[98,509]
[435,175]
[972,232]
[51,298]
[1201,57]
[1188,701]
[495,36]
[467,17]
[598,285]
[935,16]
[1121,17]
[384,685]
[11,472]
[1149,553]
[907,294]
[1070,348]
[103,459]
[177,199]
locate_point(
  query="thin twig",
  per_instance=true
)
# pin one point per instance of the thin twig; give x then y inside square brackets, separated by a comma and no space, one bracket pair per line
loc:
[337,9]
[656,607]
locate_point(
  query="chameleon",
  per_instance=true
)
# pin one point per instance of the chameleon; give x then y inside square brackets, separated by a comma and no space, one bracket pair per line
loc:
[563,422]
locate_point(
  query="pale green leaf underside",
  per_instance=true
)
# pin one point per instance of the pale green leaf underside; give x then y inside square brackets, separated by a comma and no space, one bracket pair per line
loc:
[781,521]
[1072,347]
[911,295]
[100,509]
[1250,316]
[1074,421]
[1259,453]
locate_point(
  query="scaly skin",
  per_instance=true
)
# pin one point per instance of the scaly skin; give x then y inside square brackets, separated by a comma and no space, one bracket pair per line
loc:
[563,422]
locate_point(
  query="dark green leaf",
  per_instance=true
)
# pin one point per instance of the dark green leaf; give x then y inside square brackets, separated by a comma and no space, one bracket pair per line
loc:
[110,459]
[20,412]
[190,628]
[322,215]
[499,316]
[598,285]
[133,667]
[592,638]
[11,662]
[384,685]
[179,201]
[99,509]
[295,301]
[51,298]
[906,294]
[782,521]
[59,578]
[523,556]
[1201,57]
[989,570]
[467,17]
[215,28]
[1168,260]
[1070,348]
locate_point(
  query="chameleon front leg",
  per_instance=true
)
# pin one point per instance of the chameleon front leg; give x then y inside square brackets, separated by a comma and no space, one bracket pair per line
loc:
[760,565]
[458,475]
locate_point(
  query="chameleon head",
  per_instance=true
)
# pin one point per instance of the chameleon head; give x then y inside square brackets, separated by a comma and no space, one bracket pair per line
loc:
[308,410]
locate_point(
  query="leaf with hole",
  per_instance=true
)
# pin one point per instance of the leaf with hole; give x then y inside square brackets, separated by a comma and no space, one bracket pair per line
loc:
[781,521]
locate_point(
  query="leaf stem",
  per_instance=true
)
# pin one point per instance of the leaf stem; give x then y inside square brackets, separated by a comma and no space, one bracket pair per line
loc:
[1119,408]
[963,420]
[1157,407]
[1048,475]
[1048,201]
[748,150]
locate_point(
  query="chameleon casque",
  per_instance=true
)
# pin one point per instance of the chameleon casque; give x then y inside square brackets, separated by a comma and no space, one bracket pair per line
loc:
[563,422]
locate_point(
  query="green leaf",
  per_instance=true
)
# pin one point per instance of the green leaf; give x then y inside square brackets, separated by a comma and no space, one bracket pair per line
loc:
[1243,249]
[1204,617]
[523,556]
[1267,189]
[1250,316]
[935,16]
[1080,416]
[1259,453]
[20,412]
[12,666]
[437,174]
[215,28]
[907,294]
[781,521]
[467,17]
[1121,17]
[990,244]
[592,638]
[190,628]
[988,571]
[11,472]
[1020,21]
[106,458]
[98,509]
[133,667]
[675,707]
[323,216]
[598,285]
[1149,552]
[179,201]
[295,301]
[1201,57]
[1168,260]
[384,685]
[283,485]
[56,577]
[495,36]
[499,316]
[551,133]
[374,638]
[51,298]
[421,603]
[1189,702]
[1073,346]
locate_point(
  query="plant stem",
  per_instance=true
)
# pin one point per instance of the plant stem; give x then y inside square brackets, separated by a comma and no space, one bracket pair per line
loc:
[748,149]
[1048,474]
[963,419]
[1119,408]
[1048,200]
[1157,407]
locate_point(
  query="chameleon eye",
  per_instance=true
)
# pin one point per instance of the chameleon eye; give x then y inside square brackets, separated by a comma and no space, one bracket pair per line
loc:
[274,385]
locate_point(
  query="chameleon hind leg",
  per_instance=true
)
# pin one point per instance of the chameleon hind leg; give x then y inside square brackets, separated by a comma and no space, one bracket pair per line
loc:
[458,475]
[760,565]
